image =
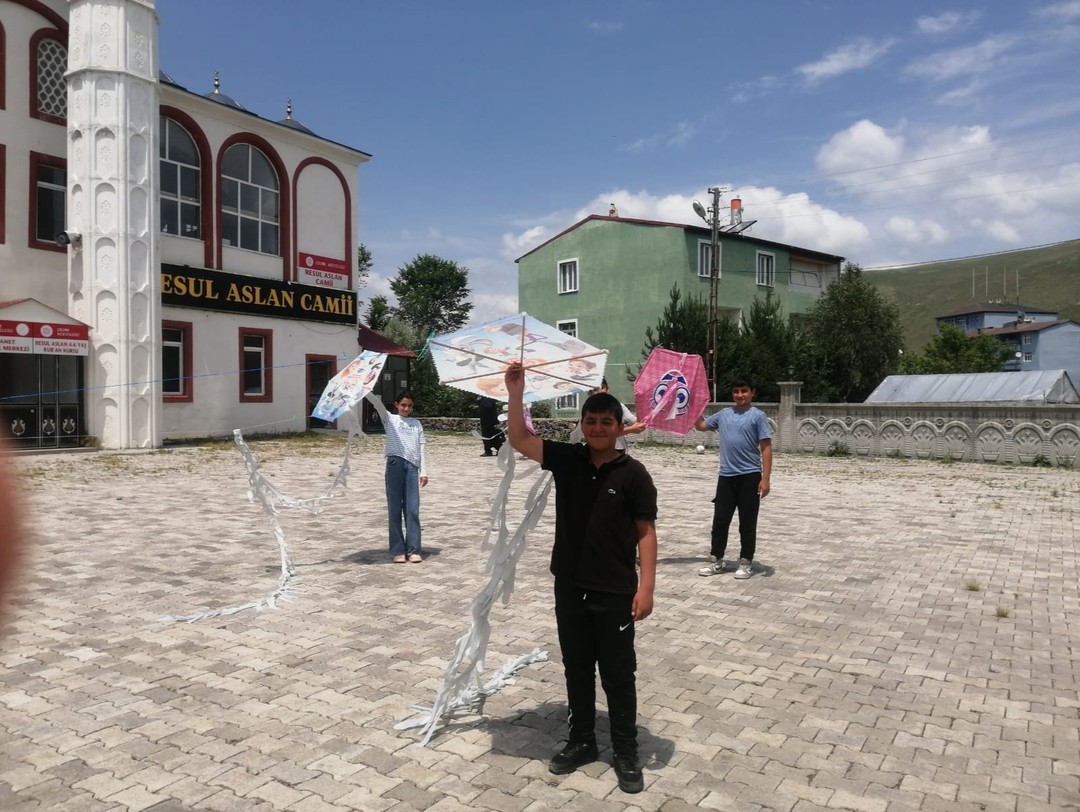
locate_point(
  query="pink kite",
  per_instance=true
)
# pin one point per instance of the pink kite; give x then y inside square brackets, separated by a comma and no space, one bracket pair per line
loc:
[671,391]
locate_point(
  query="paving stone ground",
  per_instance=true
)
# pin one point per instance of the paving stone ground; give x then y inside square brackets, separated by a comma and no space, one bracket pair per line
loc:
[909,642]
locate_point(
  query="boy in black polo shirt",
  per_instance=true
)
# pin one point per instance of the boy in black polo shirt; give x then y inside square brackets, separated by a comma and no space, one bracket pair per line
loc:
[605,513]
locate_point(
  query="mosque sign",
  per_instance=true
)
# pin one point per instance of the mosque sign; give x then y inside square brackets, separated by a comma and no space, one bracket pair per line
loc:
[187,286]
[326,272]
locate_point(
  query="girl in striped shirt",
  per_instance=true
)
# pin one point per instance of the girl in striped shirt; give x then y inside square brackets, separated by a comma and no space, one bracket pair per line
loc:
[406,473]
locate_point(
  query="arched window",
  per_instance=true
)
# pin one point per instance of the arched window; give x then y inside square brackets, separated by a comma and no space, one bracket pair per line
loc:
[49,99]
[249,200]
[180,182]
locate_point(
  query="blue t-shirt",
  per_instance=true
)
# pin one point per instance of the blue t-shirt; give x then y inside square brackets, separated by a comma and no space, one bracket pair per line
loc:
[740,436]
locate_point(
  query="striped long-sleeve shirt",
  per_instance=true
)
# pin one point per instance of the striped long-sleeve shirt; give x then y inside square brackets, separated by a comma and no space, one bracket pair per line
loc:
[404,435]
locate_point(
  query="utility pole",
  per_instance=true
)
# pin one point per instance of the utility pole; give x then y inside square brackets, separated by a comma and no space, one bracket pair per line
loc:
[712,219]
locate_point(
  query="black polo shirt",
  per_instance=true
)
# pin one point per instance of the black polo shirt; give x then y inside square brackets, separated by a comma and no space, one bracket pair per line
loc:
[595,510]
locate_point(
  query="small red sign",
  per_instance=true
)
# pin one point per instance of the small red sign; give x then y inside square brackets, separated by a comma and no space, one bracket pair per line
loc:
[313,262]
[44,338]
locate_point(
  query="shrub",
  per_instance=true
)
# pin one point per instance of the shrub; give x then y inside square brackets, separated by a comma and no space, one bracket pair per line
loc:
[838,448]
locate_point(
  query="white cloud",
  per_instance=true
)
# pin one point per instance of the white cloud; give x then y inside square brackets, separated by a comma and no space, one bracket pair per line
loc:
[678,135]
[999,230]
[863,145]
[916,232]
[1068,10]
[968,61]
[489,306]
[742,92]
[944,23]
[514,245]
[684,134]
[604,26]
[855,55]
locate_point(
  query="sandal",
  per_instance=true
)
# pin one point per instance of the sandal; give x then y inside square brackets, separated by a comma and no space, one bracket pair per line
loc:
[415,558]
[399,559]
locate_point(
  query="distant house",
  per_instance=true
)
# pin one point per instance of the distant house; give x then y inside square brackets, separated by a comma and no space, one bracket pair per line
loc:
[988,315]
[1036,337]
[606,278]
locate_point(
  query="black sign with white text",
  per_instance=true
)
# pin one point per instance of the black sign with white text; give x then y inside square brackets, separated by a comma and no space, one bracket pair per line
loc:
[185,286]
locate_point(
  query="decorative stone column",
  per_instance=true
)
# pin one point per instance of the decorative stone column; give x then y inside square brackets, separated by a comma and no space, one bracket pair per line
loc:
[113,203]
[790,395]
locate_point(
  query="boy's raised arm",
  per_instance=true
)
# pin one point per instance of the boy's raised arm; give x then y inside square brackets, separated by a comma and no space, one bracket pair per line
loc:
[521,439]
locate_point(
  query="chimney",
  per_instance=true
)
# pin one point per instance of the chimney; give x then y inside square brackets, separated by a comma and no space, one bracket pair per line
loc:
[612,211]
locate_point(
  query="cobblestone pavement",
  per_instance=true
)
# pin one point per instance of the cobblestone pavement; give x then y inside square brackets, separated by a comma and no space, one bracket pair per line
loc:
[909,642]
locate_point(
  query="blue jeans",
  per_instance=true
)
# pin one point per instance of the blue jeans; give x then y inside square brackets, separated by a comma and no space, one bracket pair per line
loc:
[403,499]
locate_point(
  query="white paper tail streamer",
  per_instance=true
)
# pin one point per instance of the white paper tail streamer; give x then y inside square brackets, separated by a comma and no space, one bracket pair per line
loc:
[461,689]
[260,489]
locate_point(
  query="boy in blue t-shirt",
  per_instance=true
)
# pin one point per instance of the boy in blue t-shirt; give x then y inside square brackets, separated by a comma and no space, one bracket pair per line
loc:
[745,467]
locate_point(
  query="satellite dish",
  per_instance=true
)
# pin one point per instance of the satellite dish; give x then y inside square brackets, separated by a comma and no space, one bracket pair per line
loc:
[700,210]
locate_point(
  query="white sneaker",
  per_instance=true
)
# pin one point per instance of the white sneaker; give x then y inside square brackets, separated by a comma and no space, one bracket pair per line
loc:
[715,568]
[745,570]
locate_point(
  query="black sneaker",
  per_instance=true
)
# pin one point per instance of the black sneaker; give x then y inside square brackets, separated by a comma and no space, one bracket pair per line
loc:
[629,773]
[574,755]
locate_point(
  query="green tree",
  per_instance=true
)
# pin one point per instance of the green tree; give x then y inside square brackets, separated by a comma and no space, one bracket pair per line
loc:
[363,267]
[766,347]
[683,326]
[432,398]
[378,314]
[432,294]
[952,350]
[857,334]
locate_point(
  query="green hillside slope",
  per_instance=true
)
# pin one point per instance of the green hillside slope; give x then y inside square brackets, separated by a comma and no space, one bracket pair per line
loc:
[1049,277]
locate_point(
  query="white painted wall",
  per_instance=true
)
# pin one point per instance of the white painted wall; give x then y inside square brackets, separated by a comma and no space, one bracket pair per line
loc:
[26,272]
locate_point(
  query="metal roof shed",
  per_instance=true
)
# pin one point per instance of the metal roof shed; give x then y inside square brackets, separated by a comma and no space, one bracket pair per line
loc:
[1037,386]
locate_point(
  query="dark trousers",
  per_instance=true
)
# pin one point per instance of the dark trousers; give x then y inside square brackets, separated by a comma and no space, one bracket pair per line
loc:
[736,493]
[596,629]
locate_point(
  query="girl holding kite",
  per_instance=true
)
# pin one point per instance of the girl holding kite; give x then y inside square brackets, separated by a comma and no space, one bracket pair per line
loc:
[406,473]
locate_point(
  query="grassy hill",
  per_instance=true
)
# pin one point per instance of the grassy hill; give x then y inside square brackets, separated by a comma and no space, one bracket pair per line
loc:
[1049,278]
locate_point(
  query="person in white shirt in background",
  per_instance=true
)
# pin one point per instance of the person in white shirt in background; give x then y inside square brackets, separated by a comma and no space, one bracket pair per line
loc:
[630,423]
[406,474]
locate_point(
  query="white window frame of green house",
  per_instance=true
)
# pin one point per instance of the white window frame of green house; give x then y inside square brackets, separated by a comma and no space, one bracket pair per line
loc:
[704,259]
[568,275]
[568,326]
[766,269]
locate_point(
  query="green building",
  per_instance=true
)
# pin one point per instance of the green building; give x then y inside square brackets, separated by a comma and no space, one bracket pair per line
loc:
[605,279]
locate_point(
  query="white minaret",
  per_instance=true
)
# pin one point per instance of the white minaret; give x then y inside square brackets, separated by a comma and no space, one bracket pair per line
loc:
[113,276]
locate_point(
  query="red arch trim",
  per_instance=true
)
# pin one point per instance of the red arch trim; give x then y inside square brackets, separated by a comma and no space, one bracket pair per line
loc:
[285,218]
[46,12]
[206,186]
[35,40]
[3,62]
[350,259]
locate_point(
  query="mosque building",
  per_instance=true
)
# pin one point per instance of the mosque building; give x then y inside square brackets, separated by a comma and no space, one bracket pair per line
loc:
[172,265]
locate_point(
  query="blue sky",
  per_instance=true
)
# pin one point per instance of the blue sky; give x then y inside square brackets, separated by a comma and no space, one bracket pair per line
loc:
[888,133]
